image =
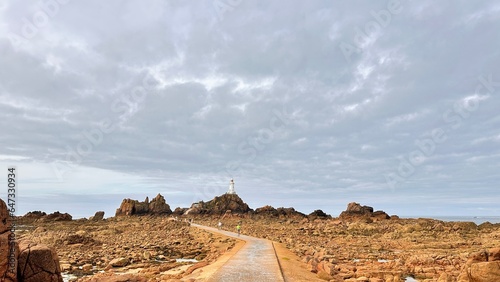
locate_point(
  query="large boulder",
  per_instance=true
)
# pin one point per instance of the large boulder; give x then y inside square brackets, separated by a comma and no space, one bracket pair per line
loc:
[98,216]
[119,262]
[38,263]
[133,207]
[482,266]
[357,209]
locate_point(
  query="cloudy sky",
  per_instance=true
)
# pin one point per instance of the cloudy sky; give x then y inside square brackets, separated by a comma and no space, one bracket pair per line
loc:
[310,104]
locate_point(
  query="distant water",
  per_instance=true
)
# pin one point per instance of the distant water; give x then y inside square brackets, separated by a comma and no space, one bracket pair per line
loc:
[476,219]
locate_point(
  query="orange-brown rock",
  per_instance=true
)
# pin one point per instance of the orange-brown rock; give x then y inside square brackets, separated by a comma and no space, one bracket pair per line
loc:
[33,215]
[56,216]
[4,217]
[97,216]
[37,263]
[266,210]
[494,254]
[319,214]
[111,277]
[355,211]
[8,266]
[157,206]
[482,266]
[220,205]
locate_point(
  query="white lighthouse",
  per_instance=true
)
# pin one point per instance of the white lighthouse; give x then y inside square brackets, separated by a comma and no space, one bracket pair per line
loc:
[231,187]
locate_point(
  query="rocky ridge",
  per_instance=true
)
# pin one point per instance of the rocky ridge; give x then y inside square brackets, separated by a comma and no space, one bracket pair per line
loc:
[42,216]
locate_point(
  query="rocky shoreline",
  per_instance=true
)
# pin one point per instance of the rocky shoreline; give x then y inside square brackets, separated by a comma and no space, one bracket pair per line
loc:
[144,240]
[426,249]
[147,247]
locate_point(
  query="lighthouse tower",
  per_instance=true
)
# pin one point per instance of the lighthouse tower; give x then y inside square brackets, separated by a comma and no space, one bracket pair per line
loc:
[231,187]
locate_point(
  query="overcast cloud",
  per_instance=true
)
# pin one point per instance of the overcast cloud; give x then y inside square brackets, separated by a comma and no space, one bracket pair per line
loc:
[310,104]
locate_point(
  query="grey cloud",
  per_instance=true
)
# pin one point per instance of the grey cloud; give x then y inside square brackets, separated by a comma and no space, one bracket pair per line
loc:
[219,83]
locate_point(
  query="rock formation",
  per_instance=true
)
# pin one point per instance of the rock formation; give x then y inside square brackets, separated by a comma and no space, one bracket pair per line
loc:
[482,266]
[97,216]
[289,212]
[266,210]
[34,215]
[269,211]
[57,216]
[319,214]
[355,212]
[220,205]
[43,217]
[6,270]
[157,206]
[33,263]
[38,263]
[180,211]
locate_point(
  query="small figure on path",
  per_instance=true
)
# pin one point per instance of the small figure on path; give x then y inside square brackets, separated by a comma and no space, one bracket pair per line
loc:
[219,225]
[238,228]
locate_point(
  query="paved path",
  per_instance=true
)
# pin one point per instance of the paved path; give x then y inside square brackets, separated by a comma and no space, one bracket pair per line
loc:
[255,261]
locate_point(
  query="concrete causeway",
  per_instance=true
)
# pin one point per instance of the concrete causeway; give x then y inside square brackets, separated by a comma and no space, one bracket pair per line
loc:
[255,261]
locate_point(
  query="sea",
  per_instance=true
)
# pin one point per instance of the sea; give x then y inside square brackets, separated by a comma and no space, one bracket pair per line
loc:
[476,219]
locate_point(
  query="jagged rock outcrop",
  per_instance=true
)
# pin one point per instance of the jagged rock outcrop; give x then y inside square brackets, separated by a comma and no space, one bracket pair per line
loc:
[355,212]
[159,206]
[220,205]
[156,206]
[98,216]
[482,266]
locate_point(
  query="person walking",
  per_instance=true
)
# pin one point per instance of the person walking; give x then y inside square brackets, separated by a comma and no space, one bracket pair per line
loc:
[238,228]
[219,225]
